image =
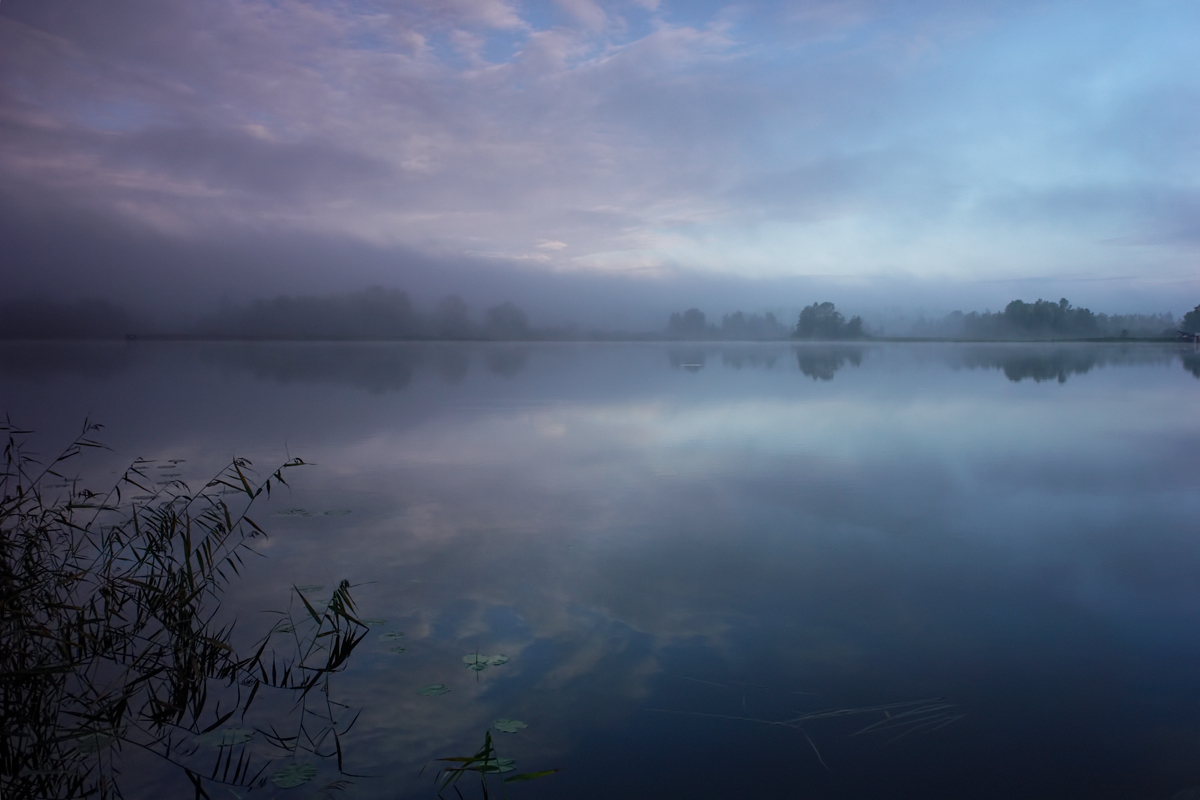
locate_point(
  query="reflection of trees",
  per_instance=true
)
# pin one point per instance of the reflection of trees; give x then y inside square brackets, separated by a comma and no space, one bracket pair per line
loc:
[689,358]
[506,362]
[1191,362]
[378,367]
[107,607]
[452,364]
[821,363]
[754,359]
[42,359]
[1054,363]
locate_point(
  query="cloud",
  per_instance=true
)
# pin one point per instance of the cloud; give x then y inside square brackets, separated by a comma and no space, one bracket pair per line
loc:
[857,138]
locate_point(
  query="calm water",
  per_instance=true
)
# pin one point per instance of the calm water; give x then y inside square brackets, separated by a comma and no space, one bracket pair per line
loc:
[675,546]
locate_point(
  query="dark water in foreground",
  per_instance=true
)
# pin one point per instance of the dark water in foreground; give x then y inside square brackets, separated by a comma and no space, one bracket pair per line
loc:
[675,546]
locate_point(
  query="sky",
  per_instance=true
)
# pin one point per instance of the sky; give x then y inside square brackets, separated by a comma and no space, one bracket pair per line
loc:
[604,161]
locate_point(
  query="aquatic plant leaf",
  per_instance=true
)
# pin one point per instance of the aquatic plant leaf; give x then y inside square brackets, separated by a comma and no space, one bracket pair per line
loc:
[497,660]
[509,725]
[293,512]
[93,742]
[433,690]
[477,667]
[374,621]
[225,737]
[310,587]
[293,775]
[475,658]
[391,636]
[528,776]
[498,765]
[397,650]
[337,512]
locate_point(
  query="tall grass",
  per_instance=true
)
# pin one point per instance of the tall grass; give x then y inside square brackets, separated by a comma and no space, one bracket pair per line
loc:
[109,639]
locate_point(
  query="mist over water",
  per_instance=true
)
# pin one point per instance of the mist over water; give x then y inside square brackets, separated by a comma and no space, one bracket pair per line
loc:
[677,544]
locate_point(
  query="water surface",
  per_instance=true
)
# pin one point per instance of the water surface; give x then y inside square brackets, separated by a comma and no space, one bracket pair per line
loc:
[675,546]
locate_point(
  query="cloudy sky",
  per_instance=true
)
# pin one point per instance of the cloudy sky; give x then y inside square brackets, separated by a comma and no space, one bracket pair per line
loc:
[645,152]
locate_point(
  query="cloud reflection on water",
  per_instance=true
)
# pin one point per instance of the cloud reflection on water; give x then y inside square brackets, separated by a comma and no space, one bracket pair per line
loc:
[910,527]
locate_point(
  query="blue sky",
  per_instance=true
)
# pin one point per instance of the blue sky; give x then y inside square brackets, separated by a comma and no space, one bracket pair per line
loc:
[921,154]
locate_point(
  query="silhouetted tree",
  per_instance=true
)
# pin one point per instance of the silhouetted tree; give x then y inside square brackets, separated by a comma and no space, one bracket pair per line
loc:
[754,327]
[824,321]
[691,324]
[506,321]
[1191,321]
[450,318]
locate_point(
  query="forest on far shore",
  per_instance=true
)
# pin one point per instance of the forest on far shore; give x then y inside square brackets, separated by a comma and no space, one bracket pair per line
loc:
[379,314]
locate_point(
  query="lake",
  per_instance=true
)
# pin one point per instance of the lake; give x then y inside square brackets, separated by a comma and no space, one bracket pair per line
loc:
[984,557]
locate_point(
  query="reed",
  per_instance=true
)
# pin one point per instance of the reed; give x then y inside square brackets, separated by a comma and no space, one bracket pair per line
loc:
[109,638]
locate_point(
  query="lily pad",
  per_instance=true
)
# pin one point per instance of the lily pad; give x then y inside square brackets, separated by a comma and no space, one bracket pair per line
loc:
[293,775]
[374,621]
[93,742]
[397,650]
[433,690]
[499,765]
[475,659]
[477,667]
[293,512]
[225,737]
[509,725]
[392,636]
[498,660]
[337,512]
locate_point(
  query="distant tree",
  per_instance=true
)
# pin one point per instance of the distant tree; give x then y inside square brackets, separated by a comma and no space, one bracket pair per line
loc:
[753,327]
[45,319]
[1191,321]
[506,321]
[450,319]
[824,321]
[691,324]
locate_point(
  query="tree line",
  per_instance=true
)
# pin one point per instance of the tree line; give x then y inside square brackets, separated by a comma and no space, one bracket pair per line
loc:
[383,314]
[1044,319]
[818,321]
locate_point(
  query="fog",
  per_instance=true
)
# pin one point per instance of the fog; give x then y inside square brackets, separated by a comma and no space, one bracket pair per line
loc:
[76,273]
[601,165]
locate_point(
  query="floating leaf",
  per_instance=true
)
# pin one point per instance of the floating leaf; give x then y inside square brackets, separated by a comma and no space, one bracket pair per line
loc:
[293,775]
[433,690]
[285,629]
[528,776]
[509,725]
[498,660]
[293,512]
[391,636]
[337,512]
[477,667]
[475,658]
[374,621]
[397,650]
[498,765]
[92,742]
[225,737]
[310,587]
